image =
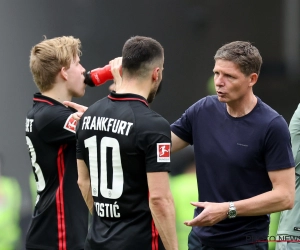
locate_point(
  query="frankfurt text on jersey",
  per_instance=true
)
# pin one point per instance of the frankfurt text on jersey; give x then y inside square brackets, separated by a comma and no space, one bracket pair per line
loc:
[106,124]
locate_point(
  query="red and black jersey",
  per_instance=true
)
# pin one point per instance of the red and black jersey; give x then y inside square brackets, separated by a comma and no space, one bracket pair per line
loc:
[60,216]
[121,139]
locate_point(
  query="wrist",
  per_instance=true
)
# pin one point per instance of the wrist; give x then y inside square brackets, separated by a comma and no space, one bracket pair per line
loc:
[231,210]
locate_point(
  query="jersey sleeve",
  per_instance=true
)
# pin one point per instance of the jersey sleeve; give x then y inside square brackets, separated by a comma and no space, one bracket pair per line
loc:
[156,146]
[57,125]
[278,153]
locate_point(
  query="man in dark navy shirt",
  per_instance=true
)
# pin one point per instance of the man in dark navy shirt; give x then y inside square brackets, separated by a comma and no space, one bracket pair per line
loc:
[244,162]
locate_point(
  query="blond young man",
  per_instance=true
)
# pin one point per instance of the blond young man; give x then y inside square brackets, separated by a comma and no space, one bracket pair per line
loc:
[60,216]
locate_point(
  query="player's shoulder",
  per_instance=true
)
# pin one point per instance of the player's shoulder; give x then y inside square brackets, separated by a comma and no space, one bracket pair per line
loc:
[54,116]
[151,120]
[47,107]
[51,112]
[97,105]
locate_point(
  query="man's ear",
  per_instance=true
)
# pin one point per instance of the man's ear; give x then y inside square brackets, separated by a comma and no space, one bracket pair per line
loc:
[155,74]
[253,79]
[63,73]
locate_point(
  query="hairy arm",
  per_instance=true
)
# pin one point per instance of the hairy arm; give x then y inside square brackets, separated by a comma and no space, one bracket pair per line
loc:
[162,208]
[84,184]
[280,198]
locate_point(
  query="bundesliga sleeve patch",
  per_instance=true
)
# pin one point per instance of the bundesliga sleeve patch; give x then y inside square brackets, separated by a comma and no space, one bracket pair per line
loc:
[70,124]
[163,152]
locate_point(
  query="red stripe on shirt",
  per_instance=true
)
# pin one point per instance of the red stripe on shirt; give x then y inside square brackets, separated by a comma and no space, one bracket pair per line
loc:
[42,100]
[60,206]
[154,240]
[128,99]
[154,237]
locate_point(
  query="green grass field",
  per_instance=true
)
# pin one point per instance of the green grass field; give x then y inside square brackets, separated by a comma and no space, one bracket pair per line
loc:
[273,228]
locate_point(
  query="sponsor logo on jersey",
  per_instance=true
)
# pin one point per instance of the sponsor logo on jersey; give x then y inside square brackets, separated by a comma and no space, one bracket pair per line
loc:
[70,124]
[163,152]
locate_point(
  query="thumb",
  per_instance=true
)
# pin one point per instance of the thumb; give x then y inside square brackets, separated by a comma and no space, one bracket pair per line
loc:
[197,204]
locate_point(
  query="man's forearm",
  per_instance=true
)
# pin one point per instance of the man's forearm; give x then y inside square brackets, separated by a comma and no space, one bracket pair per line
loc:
[84,184]
[163,213]
[85,189]
[265,203]
[280,198]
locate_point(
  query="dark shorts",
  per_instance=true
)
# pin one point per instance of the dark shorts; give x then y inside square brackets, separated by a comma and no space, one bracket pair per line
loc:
[194,243]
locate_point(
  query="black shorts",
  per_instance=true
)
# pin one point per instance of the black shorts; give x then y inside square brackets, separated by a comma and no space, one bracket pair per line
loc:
[194,243]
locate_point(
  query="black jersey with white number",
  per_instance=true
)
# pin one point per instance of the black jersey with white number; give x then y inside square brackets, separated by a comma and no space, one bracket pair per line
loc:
[60,216]
[121,140]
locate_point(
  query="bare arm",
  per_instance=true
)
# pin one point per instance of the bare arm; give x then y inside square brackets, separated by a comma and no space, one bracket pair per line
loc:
[116,70]
[162,208]
[84,184]
[279,199]
[177,143]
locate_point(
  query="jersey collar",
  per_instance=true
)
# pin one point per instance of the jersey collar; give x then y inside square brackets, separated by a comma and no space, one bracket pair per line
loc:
[127,97]
[38,97]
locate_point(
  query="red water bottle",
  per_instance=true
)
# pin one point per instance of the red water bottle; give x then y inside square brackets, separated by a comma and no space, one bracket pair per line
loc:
[98,76]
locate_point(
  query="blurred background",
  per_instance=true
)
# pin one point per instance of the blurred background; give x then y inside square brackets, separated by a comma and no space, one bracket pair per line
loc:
[190,31]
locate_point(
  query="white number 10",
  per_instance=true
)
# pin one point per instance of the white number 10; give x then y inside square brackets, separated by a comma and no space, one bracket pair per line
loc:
[117,181]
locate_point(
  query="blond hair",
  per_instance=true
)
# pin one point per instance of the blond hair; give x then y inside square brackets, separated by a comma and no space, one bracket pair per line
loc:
[48,57]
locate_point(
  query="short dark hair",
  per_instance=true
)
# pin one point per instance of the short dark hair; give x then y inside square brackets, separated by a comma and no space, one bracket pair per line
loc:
[139,53]
[243,54]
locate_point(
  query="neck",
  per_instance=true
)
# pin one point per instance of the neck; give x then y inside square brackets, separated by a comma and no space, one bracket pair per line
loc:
[58,93]
[134,86]
[241,108]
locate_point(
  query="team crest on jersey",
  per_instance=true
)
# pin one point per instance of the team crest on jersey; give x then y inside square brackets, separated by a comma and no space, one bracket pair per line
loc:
[163,152]
[70,124]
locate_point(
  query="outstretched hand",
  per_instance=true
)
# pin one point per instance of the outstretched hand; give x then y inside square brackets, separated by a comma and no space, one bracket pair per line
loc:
[211,214]
[80,109]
